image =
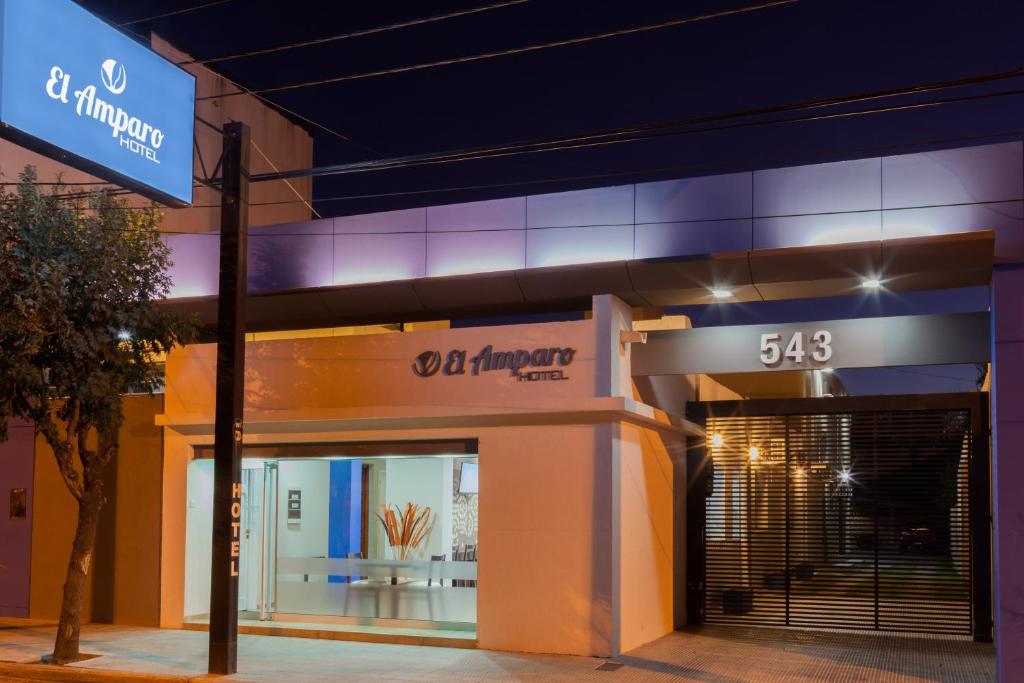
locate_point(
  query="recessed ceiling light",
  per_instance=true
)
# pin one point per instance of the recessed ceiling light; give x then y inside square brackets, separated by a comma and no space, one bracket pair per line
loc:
[871,283]
[828,371]
[721,293]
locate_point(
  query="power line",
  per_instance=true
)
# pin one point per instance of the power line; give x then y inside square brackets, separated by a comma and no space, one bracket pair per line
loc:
[286,182]
[663,129]
[244,90]
[184,10]
[292,112]
[356,34]
[517,50]
[731,163]
[400,163]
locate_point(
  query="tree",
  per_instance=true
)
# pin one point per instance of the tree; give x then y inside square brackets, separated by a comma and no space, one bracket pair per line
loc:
[81,277]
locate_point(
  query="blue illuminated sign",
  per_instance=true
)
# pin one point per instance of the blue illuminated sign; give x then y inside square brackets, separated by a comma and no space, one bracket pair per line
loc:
[77,89]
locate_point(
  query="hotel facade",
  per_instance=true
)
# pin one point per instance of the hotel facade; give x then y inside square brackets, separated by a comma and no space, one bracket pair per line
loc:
[599,469]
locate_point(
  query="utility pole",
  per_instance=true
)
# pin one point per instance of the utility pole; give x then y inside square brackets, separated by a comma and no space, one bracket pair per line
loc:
[227,448]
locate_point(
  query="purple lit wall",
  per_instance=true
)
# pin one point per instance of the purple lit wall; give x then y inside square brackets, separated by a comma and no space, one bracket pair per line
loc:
[932,193]
[1008,468]
[16,468]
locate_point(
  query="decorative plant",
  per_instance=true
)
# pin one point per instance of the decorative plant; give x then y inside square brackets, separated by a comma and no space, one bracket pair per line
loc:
[407,528]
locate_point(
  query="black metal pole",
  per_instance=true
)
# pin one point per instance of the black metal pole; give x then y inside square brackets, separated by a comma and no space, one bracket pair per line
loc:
[980,516]
[690,491]
[227,485]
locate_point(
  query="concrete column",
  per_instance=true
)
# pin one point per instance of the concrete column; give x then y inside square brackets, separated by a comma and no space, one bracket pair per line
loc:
[611,315]
[1008,468]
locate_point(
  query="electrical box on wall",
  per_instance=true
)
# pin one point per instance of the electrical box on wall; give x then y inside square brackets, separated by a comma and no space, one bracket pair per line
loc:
[294,506]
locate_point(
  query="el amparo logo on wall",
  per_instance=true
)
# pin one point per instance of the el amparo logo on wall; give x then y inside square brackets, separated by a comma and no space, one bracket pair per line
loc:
[526,366]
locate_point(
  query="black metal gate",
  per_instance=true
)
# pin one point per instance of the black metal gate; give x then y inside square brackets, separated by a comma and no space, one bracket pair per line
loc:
[865,515]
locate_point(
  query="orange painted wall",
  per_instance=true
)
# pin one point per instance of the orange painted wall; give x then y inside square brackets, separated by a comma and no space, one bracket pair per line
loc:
[124,573]
[546,540]
[645,531]
[322,374]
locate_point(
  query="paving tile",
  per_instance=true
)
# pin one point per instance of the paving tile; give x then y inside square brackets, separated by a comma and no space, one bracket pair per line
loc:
[725,654]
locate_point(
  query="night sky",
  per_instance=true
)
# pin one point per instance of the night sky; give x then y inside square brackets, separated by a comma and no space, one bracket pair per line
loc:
[803,51]
[794,53]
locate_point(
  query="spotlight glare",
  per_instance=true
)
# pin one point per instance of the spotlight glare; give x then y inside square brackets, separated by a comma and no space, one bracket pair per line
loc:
[717,440]
[754,452]
[871,283]
[721,293]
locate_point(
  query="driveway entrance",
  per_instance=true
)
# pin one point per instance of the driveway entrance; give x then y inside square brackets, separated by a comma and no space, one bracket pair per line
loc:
[845,513]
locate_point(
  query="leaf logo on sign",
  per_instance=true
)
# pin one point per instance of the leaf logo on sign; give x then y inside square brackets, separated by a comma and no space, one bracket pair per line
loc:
[114,77]
[427,364]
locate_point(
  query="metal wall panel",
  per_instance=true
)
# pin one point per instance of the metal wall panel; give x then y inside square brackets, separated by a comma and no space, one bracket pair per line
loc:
[599,206]
[405,220]
[656,240]
[291,256]
[986,173]
[495,214]
[379,258]
[818,204]
[458,253]
[195,262]
[1005,218]
[706,198]
[561,246]
[805,231]
[819,188]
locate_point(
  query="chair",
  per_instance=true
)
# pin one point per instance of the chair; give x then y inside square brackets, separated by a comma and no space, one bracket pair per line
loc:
[436,558]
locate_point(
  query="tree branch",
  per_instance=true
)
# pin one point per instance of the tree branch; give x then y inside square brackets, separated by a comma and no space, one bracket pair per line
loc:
[62,452]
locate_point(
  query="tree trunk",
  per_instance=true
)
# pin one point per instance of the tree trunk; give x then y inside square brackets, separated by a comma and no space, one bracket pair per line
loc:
[65,650]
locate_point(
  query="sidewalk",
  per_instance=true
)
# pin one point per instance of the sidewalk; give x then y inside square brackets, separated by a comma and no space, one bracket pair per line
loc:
[730,655]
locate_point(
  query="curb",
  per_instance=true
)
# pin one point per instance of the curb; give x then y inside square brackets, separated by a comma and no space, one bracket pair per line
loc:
[61,674]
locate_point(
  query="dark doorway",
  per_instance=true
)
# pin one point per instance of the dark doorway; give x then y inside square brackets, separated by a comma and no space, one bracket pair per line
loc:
[856,512]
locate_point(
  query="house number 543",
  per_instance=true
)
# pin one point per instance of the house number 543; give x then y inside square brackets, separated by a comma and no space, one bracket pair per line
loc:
[796,349]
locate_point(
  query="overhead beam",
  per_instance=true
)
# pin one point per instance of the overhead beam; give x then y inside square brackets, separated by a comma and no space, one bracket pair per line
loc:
[853,343]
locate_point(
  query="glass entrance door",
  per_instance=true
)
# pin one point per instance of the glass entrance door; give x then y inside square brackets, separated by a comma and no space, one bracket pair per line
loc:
[251,540]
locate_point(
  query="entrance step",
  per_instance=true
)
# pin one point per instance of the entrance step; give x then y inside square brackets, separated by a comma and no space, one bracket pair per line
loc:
[360,634]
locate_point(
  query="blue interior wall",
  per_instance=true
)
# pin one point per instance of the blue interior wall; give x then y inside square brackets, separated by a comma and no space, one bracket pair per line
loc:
[344,510]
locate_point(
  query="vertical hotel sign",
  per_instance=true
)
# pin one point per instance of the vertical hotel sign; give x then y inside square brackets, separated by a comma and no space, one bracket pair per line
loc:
[78,90]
